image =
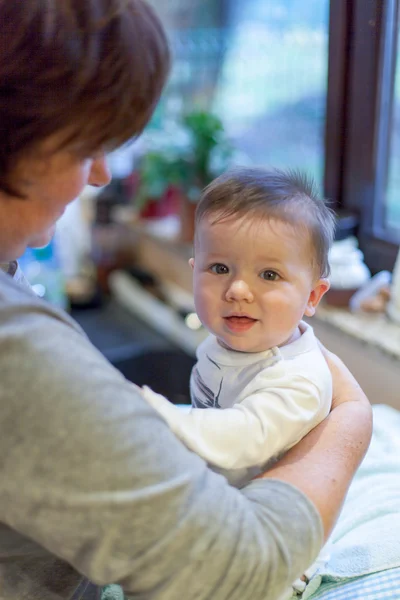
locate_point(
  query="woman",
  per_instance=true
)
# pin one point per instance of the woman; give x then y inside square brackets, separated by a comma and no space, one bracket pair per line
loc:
[93,485]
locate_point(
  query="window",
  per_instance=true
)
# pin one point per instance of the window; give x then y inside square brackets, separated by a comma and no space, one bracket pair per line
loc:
[273,82]
[261,66]
[313,84]
[362,123]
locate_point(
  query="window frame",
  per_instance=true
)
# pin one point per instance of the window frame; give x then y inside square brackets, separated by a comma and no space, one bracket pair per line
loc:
[362,55]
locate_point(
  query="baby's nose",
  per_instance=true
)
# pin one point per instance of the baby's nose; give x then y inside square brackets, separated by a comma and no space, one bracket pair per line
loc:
[239,290]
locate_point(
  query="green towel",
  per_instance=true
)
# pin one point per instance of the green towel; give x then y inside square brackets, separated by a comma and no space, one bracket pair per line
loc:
[112,592]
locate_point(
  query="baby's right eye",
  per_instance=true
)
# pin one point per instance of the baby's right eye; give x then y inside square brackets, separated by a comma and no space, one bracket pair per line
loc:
[219,269]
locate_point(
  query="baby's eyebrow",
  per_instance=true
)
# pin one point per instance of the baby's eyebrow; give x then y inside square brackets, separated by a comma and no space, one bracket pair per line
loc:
[212,254]
[272,261]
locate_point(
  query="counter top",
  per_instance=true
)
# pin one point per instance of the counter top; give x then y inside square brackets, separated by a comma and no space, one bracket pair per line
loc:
[372,329]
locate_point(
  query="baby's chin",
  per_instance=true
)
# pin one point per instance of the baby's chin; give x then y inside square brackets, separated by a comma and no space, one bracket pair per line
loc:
[240,346]
[252,347]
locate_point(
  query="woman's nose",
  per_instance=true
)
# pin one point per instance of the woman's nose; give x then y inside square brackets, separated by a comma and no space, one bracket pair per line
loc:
[100,173]
[239,291]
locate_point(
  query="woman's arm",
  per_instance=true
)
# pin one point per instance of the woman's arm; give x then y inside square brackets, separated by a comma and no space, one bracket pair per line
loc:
[323,463]
[92,475]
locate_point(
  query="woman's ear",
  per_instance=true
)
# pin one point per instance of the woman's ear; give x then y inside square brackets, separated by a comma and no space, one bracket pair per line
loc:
[320,288]
[191,262]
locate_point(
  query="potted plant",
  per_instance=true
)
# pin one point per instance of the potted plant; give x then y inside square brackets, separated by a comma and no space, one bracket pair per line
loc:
[185,161]
[206,157]
[156,174]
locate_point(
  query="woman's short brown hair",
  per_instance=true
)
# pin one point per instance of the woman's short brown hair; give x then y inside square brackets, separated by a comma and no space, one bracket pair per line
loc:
[92,68]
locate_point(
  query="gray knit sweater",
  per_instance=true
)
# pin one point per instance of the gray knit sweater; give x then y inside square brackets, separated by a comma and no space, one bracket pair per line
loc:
[93,484]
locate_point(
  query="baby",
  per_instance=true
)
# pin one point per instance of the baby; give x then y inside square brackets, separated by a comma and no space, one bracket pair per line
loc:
[260,265]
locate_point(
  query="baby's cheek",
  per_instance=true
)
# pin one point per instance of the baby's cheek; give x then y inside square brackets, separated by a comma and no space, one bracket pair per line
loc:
[198,300]
[203,309]
[285,304]
[206,307]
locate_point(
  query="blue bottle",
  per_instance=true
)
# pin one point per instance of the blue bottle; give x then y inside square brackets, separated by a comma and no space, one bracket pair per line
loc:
[43,271]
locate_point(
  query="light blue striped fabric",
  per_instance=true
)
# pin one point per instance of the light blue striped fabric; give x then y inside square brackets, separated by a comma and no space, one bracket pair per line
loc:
[363,554]
[379,586]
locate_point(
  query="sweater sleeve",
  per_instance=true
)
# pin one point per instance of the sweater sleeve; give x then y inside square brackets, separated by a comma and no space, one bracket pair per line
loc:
[251,432]
[91,473]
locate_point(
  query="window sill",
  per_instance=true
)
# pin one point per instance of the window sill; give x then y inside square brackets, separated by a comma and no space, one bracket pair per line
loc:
[169,261]
[375,330]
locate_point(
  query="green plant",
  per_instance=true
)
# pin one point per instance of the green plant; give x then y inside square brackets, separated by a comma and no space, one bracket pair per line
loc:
[189,165]
[157,171]
[208,153]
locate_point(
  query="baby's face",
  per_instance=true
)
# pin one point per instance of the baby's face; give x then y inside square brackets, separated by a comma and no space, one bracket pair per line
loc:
[254,280]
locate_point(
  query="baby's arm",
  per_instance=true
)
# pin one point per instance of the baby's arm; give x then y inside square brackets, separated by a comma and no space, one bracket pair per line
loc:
[252,431]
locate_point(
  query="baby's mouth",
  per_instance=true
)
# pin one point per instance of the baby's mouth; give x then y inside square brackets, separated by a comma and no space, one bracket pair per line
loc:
[238,323]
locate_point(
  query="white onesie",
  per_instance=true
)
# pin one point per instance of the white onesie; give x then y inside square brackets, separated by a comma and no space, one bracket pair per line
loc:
[249,408]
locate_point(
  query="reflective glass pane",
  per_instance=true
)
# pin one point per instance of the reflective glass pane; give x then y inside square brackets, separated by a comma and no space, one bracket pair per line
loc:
[272,89]
[260,65]
[392,212]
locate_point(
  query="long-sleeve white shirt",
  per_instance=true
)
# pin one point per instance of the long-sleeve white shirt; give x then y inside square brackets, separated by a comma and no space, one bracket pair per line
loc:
[269,401]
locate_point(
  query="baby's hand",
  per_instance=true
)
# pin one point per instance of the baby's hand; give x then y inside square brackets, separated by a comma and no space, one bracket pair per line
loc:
[162,404]
[148,393]
[154,399]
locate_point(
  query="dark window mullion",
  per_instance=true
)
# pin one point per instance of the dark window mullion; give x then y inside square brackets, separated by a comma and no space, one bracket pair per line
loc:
[375,224]
[340,20]
[361,130]
[366,139]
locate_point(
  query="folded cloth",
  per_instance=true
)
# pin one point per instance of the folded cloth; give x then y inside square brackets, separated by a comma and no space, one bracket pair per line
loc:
[366,538]
[384,585]
[112,592]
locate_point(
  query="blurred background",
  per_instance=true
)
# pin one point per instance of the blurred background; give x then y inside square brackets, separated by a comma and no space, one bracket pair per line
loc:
[306,84]
[261,67]
[286,83]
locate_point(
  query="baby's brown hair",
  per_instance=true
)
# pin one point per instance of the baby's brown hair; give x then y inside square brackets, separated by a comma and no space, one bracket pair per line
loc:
[289,196]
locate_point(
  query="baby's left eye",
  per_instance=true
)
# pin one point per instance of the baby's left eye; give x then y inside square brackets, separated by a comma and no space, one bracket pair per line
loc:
[219,269]
[269,275]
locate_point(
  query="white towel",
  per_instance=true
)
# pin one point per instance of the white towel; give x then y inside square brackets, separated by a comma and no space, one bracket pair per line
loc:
[366,538]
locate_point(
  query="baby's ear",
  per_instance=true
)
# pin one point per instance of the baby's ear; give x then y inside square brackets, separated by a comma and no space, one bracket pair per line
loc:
[320,288]
[191,262]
